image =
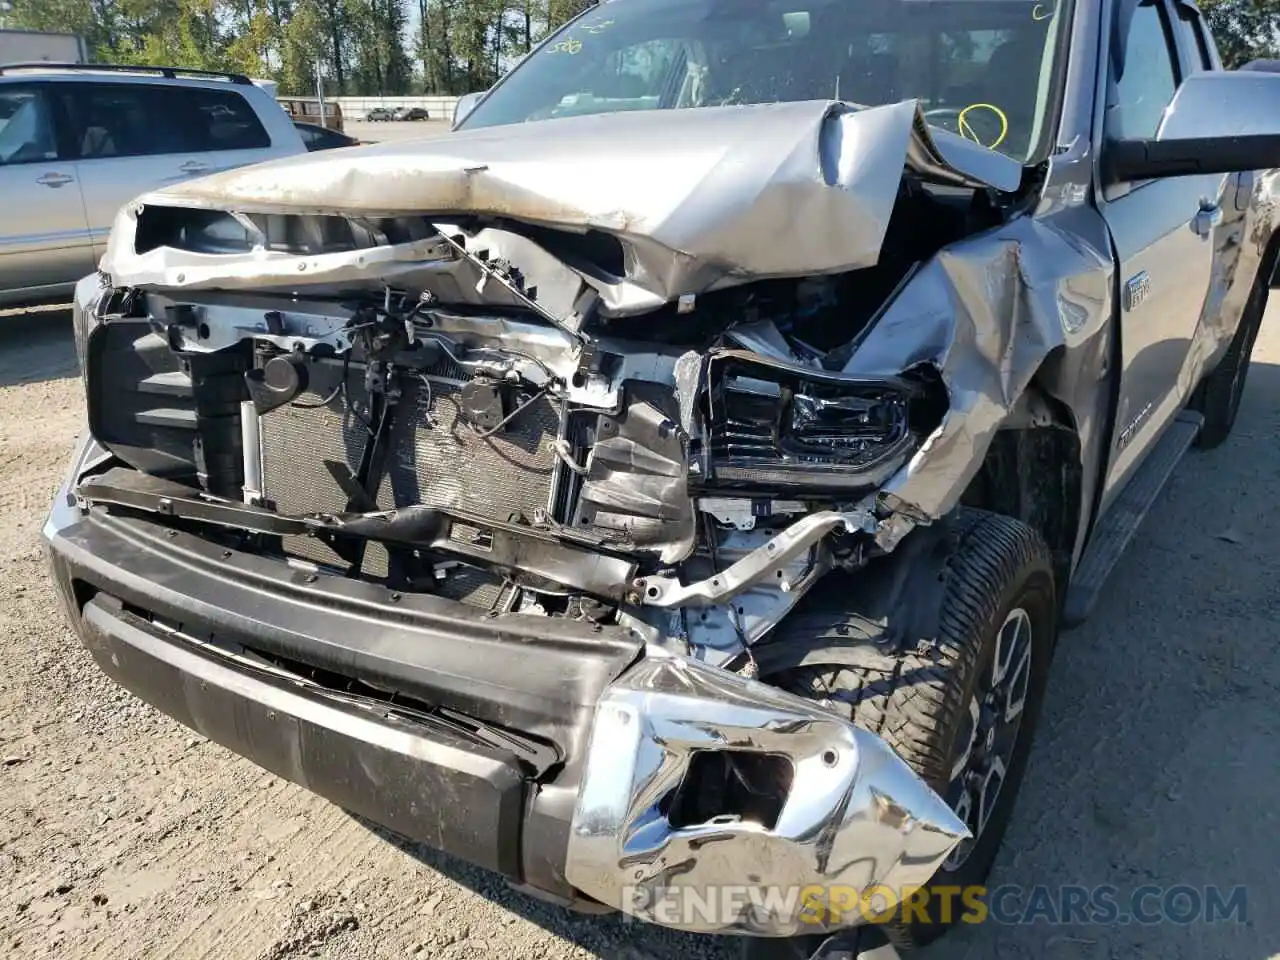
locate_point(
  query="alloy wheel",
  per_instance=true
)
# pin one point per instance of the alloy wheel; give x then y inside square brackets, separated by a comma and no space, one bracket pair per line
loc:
[990,733]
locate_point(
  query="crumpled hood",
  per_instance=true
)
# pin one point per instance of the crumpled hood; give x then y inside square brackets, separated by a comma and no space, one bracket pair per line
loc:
[698,198]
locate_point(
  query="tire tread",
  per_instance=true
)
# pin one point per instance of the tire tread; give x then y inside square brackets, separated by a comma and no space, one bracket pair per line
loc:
[906,696]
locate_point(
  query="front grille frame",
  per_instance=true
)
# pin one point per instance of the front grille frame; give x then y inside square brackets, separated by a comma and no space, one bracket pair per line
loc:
[295,441]
[301,438]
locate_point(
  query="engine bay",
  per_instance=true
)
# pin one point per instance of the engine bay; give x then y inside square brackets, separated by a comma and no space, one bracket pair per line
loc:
[473,410]
[492,458]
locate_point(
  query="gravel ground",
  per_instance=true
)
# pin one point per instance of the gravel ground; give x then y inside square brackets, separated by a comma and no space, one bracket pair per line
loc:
[124,835]
[395,130]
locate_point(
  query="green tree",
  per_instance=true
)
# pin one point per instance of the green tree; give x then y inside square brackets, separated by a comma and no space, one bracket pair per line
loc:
[379,60]
[362,46]
[558,11]
[95,20]
[1244,30]
[434,45]
[256,43]
[181,32]
[303,39]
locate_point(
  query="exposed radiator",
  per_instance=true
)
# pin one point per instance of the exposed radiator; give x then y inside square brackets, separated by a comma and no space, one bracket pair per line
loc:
[435,458]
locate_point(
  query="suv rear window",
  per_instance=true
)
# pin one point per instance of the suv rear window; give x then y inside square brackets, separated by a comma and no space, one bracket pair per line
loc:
[221,120]
[26,129]
[141,119]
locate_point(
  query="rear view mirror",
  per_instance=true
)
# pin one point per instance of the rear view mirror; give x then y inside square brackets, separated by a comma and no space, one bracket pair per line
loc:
[466,103]
[1218,122]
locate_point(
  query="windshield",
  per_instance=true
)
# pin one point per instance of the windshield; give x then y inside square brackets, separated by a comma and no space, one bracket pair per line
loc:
[981,67]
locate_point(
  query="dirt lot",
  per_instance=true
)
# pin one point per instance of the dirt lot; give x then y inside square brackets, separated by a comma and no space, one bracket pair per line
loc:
[395,130]
[123,835]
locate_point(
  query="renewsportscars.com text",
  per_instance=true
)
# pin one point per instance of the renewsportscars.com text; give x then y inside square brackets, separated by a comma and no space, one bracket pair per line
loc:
[1007,904]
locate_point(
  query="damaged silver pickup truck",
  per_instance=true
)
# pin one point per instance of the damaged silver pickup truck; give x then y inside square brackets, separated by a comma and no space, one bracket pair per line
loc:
[674,479]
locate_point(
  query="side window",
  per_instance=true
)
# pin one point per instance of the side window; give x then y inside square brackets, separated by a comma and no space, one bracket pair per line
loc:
[113,120]
[219,120]
[1191,33]
[26,126]
[1149,78]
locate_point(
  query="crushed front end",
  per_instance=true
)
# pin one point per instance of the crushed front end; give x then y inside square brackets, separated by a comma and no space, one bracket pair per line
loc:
[447,521]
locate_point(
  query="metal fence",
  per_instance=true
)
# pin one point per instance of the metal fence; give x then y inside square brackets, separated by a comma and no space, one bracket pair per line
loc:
[354,108]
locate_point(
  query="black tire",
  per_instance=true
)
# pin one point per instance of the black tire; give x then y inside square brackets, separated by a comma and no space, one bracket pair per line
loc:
[1218,395]
[917,692]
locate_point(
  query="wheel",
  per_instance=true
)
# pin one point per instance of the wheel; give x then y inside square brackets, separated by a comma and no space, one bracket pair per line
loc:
[1218,395]
[958,703]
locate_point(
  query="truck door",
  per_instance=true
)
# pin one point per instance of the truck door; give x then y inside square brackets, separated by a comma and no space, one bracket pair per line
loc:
[44,244]
[1165,232]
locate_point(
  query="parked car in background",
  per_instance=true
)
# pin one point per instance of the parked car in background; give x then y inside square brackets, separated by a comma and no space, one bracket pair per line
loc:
[77,141]
[380,113]
[320,138]
[465,104]
[310,110]
[411,113]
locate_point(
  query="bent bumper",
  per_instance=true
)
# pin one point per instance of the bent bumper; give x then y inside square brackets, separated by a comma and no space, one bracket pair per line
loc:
[586,810]
[424,781]
[853,815]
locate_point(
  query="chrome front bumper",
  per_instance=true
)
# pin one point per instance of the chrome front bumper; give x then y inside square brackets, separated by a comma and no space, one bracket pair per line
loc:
[855,818]
[851,817]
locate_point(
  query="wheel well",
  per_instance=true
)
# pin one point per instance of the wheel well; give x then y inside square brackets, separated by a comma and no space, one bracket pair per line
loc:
[1032,472]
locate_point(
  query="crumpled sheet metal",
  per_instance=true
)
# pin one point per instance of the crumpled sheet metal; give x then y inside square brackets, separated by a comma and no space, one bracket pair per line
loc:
[262,270]
[986,313]
[854,815]
[699,198]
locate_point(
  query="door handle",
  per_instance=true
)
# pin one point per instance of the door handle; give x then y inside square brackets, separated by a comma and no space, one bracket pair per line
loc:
[1207,217]
[54,180]
[194,166]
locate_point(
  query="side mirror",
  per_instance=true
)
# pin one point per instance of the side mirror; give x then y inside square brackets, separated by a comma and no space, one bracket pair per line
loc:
[1265,66]
[1218,122]
[466,103]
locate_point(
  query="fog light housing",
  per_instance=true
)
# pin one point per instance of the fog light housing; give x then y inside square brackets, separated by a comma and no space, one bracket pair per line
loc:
[737,786]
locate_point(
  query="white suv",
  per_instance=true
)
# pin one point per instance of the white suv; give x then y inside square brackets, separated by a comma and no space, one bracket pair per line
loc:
[79,141]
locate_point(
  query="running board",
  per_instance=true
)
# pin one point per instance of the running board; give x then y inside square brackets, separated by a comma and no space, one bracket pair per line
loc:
[1116,530]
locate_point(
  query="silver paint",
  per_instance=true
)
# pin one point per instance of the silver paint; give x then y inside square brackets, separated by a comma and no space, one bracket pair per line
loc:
[700,199]
[718,632]
[987,312]
[772,559]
